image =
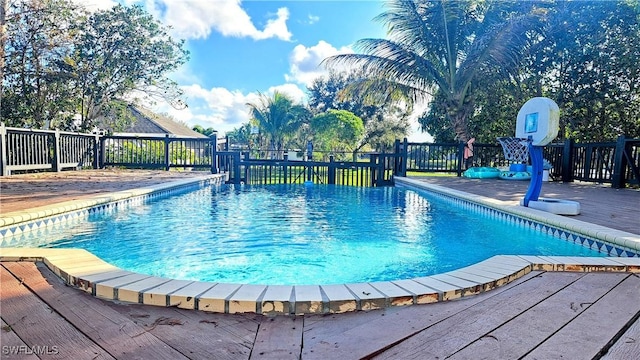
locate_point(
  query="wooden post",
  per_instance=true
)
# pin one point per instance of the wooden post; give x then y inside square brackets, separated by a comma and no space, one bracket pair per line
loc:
[283,175]
[56,152]
[3,151]
[380,164]
[103,152]
[618,180]
[567,161]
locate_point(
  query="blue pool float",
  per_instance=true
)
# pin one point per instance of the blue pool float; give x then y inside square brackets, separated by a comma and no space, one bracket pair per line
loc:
[515,175]
[482,173]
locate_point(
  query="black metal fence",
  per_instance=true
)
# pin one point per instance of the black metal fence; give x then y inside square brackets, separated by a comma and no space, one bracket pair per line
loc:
[377,171]
[157,152]
[26,150]
[617,162]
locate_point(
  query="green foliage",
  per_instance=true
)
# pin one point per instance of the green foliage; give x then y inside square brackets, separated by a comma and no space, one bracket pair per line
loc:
[588,63]
[585,58]
[384,120]
[278,119]
[67,68]
[36,90]
[120,50]
[443,47]
[208,131]
[337,130]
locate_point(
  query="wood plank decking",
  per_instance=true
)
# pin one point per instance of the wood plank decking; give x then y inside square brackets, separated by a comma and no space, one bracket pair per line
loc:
[540,316]
[543,315]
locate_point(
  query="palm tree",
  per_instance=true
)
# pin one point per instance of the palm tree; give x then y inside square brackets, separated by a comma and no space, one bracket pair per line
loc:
[277,118]
[442,47]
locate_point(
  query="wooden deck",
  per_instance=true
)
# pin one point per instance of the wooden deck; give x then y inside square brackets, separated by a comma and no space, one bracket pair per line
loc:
[540,316]
[543,315]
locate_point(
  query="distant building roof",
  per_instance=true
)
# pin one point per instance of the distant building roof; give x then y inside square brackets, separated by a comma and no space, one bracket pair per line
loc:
[151,124]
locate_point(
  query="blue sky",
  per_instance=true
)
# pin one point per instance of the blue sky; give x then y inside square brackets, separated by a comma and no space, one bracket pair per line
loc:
[242,48]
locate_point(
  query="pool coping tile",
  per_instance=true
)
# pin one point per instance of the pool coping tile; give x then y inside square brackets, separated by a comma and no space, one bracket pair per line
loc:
[215,299]
[308,299]
[133,292]
[277,299]
[368,298]
[186,297]
[117,284]
[339,298]
[159,295]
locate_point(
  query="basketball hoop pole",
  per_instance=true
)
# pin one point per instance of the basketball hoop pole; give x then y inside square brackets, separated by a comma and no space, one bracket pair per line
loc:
[535,186]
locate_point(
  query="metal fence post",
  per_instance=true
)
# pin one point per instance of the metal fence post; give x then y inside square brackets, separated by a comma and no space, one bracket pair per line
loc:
[619,164]
[331,173]
[567,161]
[167,157]
[56,152]
[3,151]
[460,158]
[214,155]
[96,151]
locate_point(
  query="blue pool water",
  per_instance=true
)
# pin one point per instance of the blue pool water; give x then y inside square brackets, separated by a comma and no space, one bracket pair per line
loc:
[291,234]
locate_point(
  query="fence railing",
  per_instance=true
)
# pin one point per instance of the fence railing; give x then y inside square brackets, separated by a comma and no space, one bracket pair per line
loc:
[157,152]
[377,171]
[26,149]
[617,162]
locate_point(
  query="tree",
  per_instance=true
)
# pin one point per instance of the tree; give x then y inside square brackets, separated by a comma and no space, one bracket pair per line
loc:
[118,51]
[443,47]
[337,131]
[242,137]
[199,129]
[36,85]
[383,122]
[588,63]
[277,118]
[68,68]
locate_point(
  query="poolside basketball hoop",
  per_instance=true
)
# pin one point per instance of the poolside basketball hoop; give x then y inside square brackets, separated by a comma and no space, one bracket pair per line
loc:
[537,125]
[515,149]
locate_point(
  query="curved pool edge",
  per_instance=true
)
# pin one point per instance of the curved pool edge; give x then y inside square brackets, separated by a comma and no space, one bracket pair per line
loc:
[81,269]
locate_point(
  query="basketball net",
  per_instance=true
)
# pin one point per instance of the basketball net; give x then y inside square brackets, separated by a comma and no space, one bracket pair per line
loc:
[515,149]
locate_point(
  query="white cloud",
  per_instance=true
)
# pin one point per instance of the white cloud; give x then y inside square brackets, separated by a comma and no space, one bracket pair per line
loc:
[292,90]
[305,61]
[195,19]
[312,19]
[220,108]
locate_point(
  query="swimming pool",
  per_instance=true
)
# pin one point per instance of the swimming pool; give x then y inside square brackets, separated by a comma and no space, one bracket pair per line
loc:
[289,234]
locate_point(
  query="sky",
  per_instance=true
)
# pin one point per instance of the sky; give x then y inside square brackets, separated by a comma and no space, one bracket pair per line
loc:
[240,49]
